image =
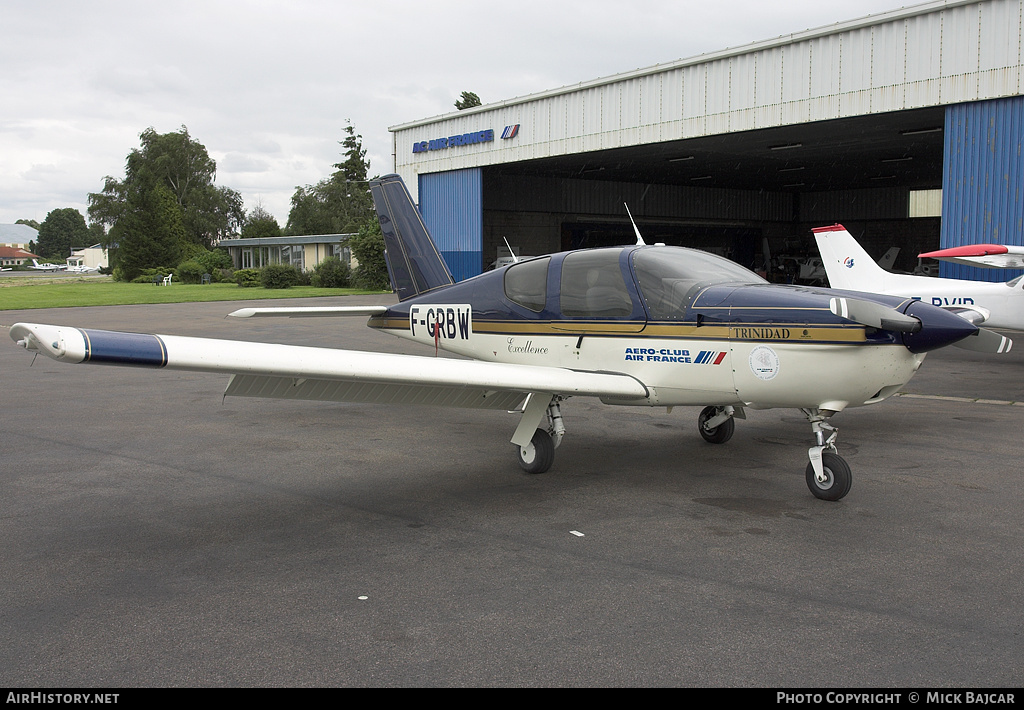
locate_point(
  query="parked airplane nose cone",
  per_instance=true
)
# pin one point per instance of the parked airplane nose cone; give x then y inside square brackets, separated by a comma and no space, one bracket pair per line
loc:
[939,328]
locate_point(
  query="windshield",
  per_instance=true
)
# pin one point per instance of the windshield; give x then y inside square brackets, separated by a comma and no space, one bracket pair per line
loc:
[670,277]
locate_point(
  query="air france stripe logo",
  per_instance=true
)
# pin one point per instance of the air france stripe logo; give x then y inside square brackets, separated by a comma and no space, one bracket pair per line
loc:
[704,357]
[510,132]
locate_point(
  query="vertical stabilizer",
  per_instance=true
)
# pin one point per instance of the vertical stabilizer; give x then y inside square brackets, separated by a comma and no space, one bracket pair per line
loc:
[414,263]
[846,263]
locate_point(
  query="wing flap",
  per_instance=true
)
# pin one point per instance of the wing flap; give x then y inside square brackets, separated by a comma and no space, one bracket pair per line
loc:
[370,392]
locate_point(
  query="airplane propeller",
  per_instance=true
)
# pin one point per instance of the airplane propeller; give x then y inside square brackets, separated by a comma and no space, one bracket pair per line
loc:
[874,315]
[986,341]
[958,331]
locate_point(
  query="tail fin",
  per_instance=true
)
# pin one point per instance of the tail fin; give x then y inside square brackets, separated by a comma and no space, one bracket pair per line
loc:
[846,263]
[414,263]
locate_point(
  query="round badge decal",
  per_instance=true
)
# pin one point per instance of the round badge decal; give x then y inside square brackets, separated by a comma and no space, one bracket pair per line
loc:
[764,362]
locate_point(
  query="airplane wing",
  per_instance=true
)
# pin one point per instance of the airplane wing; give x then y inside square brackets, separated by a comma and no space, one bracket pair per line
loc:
[988,256]
[326,374]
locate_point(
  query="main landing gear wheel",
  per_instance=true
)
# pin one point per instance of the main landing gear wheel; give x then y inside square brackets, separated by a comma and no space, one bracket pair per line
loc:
[836,475]
[539,454]
[715,435]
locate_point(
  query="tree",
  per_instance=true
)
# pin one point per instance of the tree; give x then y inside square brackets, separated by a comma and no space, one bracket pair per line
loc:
[30,222]
[260,223]
[338,204]
[468,100]
[183,168]
[368,249]
[62,230]
[150,234]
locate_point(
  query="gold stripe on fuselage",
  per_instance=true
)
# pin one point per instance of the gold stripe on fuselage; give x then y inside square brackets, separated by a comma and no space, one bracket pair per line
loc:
[752,332]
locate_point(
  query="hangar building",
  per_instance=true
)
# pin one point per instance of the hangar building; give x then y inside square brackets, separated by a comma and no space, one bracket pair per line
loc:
[907,127]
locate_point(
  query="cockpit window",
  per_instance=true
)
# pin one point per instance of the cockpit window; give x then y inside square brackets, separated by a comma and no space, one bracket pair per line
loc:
[526,283]
[671,277]
[592,285]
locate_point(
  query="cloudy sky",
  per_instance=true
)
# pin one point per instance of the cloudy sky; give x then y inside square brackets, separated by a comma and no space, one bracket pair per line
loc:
[266,85]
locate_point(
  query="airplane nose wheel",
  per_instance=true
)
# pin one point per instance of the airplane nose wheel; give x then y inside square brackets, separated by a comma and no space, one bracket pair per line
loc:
[828,475]
[835,480]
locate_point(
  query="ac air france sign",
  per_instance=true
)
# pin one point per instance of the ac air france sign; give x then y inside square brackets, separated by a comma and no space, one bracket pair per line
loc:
[464,139]
[454,141]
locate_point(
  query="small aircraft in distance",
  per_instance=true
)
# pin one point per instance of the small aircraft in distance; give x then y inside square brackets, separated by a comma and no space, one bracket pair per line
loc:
[45,267]
[995,305]
[637,325]
[82,269]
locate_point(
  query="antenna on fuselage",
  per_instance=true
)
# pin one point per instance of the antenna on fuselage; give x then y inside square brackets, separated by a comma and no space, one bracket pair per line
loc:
[515,258]
[639,240]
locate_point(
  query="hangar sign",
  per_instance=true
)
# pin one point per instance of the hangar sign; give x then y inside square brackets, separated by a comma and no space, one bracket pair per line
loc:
[454,141]
[464,139]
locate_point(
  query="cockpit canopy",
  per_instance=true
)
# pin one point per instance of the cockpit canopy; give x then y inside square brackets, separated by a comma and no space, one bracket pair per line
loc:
[671,277]
[592,284]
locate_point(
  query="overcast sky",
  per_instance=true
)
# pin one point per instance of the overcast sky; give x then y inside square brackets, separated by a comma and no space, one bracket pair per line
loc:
[266,85]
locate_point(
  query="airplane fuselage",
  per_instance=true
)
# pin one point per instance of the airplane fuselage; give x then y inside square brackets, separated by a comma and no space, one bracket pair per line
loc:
[721,344]
[1005,301]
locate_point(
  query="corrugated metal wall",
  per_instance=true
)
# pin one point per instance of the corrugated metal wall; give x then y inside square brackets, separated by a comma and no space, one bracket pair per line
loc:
[939,53]
[452,207]
[983,180]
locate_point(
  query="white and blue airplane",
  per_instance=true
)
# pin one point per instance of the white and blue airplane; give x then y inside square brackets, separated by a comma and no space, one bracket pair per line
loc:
[36,266]
[637,325]
[992,304]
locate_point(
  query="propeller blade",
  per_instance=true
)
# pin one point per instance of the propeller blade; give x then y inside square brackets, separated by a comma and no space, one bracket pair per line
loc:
[874,315]
[985,341]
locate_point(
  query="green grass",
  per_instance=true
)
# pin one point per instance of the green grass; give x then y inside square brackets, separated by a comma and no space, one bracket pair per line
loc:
[17,293]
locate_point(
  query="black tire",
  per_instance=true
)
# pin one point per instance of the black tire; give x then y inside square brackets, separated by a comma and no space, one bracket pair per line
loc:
[837,475]
[721,433]
[539,455]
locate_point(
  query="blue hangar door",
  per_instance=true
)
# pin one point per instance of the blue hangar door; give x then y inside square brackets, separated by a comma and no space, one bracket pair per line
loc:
[452,207]
[983,181]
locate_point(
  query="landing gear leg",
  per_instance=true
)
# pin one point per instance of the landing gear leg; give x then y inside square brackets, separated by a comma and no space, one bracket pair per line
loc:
[828,475]
[537,452]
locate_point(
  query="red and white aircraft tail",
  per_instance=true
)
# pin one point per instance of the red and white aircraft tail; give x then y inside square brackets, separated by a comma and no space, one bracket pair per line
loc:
[997,305]
[846,263]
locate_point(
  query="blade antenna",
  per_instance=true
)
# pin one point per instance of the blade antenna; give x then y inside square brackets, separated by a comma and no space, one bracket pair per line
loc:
[639,240]
[515,259]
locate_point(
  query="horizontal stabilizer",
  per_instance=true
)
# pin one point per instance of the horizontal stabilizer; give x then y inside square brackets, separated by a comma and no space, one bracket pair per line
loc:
[986,256]
[308,312]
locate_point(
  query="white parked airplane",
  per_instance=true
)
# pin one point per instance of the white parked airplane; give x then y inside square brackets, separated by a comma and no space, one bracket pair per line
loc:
[638,325]
[45,267]
[996,305]
[82,269]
